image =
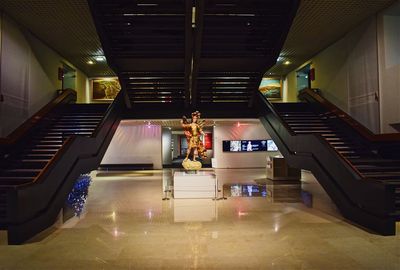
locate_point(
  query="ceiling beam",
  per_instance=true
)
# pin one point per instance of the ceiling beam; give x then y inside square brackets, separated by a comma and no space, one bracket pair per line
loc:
[198,38]
[188,50]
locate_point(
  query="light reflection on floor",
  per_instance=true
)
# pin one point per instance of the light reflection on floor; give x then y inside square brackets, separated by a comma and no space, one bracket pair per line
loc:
[127,225]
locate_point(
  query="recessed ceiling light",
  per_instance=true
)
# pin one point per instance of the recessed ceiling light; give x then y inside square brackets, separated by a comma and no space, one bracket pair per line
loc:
[147,5]
[100,58]
[90,62]
[287,62]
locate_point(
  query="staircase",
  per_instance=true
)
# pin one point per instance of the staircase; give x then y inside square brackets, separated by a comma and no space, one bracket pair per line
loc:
[42,159]
[24,164]
[357,172]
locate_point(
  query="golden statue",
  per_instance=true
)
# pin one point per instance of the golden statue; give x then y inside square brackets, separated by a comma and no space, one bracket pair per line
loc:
[193,130]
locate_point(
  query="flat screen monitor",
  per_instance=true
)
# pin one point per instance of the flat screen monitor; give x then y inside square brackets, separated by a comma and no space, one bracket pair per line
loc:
[271,146]
[249,146]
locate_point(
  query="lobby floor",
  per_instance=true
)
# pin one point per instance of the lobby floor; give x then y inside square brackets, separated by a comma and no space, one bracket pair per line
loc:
[127,225]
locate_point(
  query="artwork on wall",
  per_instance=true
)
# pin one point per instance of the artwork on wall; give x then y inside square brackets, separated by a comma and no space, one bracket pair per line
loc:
[271,87]
[105,88]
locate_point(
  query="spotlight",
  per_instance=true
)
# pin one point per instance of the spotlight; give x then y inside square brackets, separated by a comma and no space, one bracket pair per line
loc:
[90,62]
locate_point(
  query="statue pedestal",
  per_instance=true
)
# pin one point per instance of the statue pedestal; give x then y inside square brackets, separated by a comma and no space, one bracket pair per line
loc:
[203,184]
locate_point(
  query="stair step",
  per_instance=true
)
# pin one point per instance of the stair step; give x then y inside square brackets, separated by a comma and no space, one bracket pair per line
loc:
[322,132]
[48,146]
[352,156]
[70,129]
[81,117]
[313,127]
[348,147]
[295,112]
[67,122]
[366,168]
[42,150]
[318,121]
[347,152]
[36,160]
[339,143]
[48,141]
[381,162]
[67,134]
[308,124]
[30,164]
[74,126]
[334,139]
[332,135]
[15,180]
[58,137]
[383,175]
[21,172]
[38,156]
[302,118]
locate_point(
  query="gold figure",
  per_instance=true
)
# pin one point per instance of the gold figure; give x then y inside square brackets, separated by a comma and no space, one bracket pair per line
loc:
[193,130]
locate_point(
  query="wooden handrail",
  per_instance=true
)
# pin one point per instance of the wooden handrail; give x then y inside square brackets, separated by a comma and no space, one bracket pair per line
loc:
[66,96]
[357,126]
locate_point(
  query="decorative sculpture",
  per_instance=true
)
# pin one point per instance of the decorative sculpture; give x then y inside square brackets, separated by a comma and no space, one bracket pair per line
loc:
[193,130]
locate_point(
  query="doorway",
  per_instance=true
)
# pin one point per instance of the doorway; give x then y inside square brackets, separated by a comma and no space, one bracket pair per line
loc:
[303,78]
[69,77]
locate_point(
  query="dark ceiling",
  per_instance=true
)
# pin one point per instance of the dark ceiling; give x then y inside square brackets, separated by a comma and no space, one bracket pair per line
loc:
[192,53]
[67,26]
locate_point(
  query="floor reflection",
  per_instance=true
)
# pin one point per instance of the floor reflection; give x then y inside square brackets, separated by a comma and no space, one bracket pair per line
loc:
[273,191]
[244,190]
[127,225]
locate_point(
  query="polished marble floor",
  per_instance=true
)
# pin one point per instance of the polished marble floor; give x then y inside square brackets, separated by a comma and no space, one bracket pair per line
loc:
[127,225]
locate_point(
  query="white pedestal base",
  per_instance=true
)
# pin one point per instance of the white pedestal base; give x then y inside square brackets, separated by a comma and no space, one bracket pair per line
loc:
[203,184]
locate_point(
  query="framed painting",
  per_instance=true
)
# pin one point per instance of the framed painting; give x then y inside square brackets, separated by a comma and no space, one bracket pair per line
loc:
[271,88]
[105,88]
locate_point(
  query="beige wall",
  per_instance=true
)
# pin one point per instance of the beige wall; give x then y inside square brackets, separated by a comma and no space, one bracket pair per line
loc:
[29,75]
[135,144]
[389,67]
[289,88]
[346,74]
[82,87]
[330,75]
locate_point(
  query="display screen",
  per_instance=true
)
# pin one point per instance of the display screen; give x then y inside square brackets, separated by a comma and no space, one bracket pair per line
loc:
[249,146]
